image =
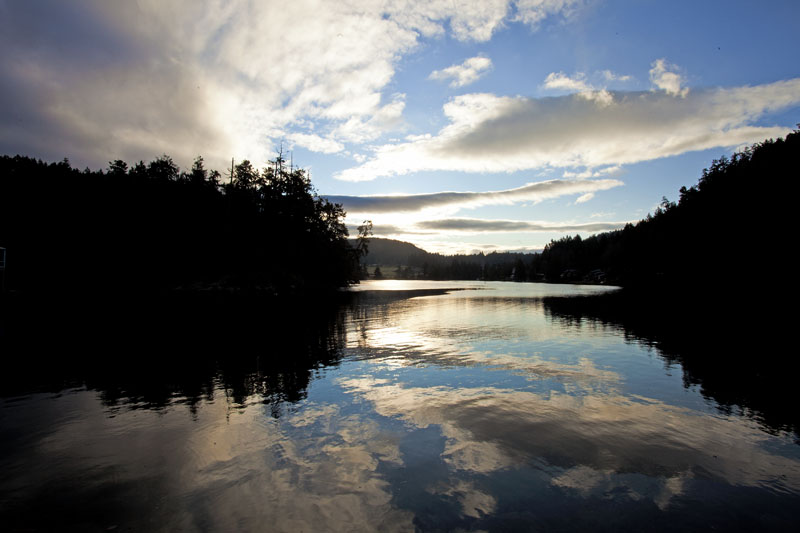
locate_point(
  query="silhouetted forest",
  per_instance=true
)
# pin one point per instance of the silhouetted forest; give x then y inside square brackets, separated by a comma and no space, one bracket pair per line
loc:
[729,227]
[706,282]
[151,226]
[416,263]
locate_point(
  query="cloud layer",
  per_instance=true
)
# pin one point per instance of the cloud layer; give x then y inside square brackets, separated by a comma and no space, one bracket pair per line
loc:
[531,192]
[94,80]
[488,133]
[478,225]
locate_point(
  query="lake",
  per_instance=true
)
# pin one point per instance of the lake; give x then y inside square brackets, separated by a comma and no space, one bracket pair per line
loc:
[404,407]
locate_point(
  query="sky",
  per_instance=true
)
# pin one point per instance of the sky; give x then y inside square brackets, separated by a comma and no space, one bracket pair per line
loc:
[460,126]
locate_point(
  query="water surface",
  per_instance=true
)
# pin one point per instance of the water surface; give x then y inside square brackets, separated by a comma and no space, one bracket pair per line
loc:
[409,407]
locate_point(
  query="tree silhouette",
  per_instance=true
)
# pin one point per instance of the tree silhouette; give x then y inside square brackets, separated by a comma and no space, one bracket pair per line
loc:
[149,226]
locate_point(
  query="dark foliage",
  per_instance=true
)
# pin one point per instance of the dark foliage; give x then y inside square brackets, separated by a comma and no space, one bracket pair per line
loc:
[151,226]
[736,355]
[177,344]
[705,282]
[414,262]
[727,228]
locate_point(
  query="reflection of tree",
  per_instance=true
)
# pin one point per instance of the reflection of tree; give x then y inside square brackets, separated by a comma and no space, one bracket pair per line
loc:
[185,348]
[723,349]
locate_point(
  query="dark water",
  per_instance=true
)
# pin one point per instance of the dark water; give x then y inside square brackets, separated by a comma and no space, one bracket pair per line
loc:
[416,409]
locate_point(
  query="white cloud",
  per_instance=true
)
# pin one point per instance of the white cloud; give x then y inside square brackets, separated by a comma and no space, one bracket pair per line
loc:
[531,192]
[467,72]
[613,76]
[579,85]
[360,129]
[140,78]
[479,225]
[559,80]
[315,143]
[532,12]
[663,77]
[488,133]
[591,173]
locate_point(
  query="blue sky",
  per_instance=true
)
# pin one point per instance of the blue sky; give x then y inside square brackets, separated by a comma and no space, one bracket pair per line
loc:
[459,126]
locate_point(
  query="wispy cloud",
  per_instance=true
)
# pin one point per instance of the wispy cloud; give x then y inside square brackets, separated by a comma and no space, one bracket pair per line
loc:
[488,133]
[315,143]
[93,80]
[467,72]
[531,192]
[559,80]
[477,225]
[532,12]
[664,77]
[579,85]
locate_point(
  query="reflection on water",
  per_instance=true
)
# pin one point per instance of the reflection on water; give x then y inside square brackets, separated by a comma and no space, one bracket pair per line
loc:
[735,355]
[411,408]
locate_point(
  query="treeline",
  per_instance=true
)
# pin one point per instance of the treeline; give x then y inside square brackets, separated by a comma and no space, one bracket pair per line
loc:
[495,266]
[152,226]
[412,262]
[730,227]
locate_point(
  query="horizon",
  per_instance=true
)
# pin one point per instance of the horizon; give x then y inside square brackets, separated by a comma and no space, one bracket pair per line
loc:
[489,126]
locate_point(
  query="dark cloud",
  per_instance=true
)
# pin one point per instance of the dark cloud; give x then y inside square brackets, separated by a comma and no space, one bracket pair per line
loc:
[75,82]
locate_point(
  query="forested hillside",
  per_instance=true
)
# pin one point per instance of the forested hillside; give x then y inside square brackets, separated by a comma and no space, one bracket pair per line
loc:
[389,252]
[732,226]
[729,227]
[151,226]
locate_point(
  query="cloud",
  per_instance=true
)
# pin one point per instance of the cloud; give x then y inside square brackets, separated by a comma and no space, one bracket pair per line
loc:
[579,85]
[663,77]
[360,129]
[613,76]
[559,80]
[97,80]
[315,143]
[489,133]
[533,12]
[476,225]
[591,173]
[467,72]
[531,192]
[479,225]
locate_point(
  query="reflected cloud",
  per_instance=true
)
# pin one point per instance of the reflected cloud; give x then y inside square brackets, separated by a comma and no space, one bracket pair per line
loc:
[474,503]
[452,330]
[587,443]
[603,484]
[314,469]
[425,424]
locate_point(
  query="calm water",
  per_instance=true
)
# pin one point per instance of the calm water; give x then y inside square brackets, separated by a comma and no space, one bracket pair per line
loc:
[407,408]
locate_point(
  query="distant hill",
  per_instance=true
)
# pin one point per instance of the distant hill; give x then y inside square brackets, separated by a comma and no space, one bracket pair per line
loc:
[390,252]
[418,263]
